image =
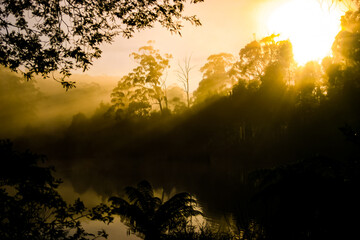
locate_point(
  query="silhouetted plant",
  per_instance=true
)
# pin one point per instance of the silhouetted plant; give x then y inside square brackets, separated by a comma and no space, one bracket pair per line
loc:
[148,216]
[201,233]
[184,77]
[312,199]
[30,206]
[216,80]
[135,92]
[42,37]
[257,56]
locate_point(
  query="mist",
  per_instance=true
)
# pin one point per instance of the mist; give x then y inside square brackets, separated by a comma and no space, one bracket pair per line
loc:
[267,147]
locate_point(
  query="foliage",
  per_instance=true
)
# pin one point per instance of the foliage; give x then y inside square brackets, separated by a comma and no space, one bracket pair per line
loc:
[216,80]
[177,99]
[134,92]
[342,71]
[148,216]
[310,85]
[18,100]
[277,115]
[31,207]
[347,42]
[44,36]
[312,199]
[257,56]
[203,233]
[130,100]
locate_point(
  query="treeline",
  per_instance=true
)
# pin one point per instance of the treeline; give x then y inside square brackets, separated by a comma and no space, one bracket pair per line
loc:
[261,111]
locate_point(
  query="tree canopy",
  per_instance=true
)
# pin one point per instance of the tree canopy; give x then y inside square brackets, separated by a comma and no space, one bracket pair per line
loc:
[257,56]
[216,80]
[302,123]
[40,37]
[135,92]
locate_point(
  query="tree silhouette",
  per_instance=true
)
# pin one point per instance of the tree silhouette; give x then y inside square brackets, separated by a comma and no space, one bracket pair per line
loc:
[343,69]
[257,56]
[216,80]
[184,77]
[46,36]
[129,100]
[148,216]
[309,85]
[347,42]
[31,207]
[310,199]
[134,92]
[18,100]
[177,99]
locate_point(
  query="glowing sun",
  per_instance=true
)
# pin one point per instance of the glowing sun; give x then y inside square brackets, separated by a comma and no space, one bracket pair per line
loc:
[310,26]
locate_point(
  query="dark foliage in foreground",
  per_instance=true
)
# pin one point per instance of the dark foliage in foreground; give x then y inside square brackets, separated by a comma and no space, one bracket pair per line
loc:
[30,206]
[151,217]
[204,233]
[302,124]
[312,199]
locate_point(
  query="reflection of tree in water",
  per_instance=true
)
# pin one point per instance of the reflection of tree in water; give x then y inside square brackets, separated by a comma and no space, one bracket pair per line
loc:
[261,112]
[312,199]
[30,205]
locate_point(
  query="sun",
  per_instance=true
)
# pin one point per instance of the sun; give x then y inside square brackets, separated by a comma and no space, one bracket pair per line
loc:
[309,25]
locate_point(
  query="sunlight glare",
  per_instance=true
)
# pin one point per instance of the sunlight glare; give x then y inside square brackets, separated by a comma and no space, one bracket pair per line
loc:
[310,26]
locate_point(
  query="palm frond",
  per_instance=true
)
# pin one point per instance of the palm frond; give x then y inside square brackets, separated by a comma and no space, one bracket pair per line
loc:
[145,188]
[131,215]
[146,215]
[143,197]
[176,211]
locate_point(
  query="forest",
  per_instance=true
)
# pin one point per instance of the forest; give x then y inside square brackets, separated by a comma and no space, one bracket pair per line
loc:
[264,148]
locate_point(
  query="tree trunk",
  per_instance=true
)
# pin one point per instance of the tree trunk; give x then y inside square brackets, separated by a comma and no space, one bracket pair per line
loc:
[160,105]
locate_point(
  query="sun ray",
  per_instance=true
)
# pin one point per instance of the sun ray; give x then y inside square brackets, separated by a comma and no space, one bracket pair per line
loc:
[310,25]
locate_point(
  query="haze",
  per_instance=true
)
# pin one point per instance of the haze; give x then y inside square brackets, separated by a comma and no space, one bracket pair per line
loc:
[254,112]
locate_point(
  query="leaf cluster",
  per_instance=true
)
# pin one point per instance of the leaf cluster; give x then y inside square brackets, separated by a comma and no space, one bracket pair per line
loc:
[136,91]
[148,216]
[30,205]
[40,37]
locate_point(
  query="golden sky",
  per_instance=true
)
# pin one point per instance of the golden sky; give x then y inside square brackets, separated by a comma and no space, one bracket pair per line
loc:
[227,26]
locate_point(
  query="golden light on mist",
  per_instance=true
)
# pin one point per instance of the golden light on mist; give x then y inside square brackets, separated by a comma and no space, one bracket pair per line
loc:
[309,25]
